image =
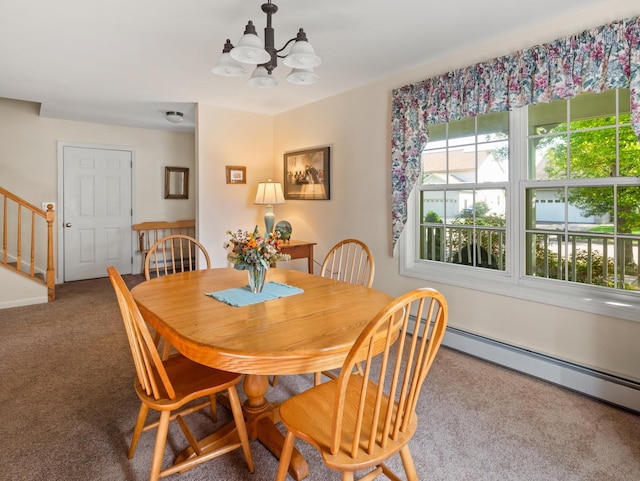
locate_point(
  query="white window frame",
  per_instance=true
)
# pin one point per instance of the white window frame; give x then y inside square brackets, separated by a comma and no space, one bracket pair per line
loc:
[512,282]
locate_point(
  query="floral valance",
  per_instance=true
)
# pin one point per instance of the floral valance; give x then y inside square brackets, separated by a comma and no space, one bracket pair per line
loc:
[596,60]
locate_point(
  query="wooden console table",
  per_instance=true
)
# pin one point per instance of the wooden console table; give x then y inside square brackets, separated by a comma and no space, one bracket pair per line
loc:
[299,250]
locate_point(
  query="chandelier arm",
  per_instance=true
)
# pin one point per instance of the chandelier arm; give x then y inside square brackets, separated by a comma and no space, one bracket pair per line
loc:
[285,46]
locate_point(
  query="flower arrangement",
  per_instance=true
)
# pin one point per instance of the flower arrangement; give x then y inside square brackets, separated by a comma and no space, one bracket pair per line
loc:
[251,249]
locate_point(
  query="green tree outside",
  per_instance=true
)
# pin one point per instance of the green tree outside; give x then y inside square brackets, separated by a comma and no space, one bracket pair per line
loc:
[591,153]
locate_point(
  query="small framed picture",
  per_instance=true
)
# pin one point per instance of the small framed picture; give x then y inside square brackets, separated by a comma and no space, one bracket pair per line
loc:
[306,174]
[236,174]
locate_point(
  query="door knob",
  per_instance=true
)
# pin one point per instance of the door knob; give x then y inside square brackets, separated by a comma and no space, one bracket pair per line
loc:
[68,224]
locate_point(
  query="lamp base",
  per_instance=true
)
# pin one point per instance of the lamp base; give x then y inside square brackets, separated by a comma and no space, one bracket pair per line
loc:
[269,219]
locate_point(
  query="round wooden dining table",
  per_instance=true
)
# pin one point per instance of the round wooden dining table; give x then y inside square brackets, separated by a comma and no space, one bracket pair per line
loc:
[306,332]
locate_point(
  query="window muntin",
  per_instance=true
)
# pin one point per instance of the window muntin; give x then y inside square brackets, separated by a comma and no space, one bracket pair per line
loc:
[586,227]
[463,194]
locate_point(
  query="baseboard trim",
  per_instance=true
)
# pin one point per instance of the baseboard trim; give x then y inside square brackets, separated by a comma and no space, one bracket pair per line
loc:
[605,387]
[24,302]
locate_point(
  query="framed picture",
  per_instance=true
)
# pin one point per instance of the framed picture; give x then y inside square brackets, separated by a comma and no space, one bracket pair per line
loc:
[306,174]
[236,174]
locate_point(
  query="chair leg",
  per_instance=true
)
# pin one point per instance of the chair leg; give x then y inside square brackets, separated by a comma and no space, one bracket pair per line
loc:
[273,381]
[347,476]
[166,350]
[214,407]
[317,378]
[137,430]
[238,417]
[285,456]
[407,462]
[193,442]
[158,450]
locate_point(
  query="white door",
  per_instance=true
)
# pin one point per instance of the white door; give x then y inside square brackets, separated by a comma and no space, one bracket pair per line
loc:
[96,211]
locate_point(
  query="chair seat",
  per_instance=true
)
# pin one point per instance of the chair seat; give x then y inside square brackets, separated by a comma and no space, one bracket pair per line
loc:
[190,380]
[301,415]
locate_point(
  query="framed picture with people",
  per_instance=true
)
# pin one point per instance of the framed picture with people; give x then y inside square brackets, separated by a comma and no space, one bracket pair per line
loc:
[306,174]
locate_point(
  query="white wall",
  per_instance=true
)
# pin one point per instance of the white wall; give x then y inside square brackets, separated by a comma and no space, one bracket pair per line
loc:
[17,290]
[29,162]
[230,137]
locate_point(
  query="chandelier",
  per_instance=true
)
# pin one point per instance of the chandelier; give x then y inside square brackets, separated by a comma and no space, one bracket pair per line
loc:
[252,51]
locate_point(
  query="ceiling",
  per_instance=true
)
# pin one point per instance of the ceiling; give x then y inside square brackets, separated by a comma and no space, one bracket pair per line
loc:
[126,62]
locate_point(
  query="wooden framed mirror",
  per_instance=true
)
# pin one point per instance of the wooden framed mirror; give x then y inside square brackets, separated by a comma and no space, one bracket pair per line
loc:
[176,182]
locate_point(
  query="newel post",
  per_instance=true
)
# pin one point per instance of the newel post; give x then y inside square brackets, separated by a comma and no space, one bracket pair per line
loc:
[51,274]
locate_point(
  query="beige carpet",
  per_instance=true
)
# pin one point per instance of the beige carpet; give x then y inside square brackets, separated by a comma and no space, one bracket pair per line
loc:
[67,409]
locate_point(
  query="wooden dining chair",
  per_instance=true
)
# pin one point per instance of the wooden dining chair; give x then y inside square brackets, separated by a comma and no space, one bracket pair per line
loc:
[168,385]
[169,255]
[358,421]
[172,254]
[350,260]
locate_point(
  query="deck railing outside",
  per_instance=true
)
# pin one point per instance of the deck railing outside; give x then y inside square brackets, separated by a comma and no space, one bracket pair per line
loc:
[480,246]
[583,257]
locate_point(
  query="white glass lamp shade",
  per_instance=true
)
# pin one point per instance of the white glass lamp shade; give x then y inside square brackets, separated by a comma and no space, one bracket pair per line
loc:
[302,76]
[262,79]
[228,67]
[250,48]
[302,55]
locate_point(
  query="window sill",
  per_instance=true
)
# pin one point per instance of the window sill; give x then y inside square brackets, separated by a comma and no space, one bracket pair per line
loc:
[623,304]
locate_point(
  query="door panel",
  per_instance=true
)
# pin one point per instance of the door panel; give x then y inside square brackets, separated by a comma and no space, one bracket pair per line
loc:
[97,211]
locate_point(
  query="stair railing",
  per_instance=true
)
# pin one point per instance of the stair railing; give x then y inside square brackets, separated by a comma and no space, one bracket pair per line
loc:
[21,224]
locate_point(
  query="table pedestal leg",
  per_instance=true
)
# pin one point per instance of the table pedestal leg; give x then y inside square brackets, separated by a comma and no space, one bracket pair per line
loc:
[261,418]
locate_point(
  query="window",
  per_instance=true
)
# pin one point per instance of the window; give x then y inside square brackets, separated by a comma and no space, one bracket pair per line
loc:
[584,158]
[463,192]
[542,203]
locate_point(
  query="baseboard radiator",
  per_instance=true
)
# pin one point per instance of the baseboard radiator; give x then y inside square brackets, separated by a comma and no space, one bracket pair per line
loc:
[605,387]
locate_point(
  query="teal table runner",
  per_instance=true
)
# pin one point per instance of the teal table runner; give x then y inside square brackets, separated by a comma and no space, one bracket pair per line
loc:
[242,296]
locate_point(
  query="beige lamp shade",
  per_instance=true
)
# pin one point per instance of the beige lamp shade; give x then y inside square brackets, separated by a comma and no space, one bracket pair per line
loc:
[269,193]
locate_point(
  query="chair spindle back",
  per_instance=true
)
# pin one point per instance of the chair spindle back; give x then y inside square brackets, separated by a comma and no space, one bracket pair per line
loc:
[149,367]
[406,335]
[174,253]
[350,260]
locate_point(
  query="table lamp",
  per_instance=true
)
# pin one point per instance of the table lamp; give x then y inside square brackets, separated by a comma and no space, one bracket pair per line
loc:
[269,193]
